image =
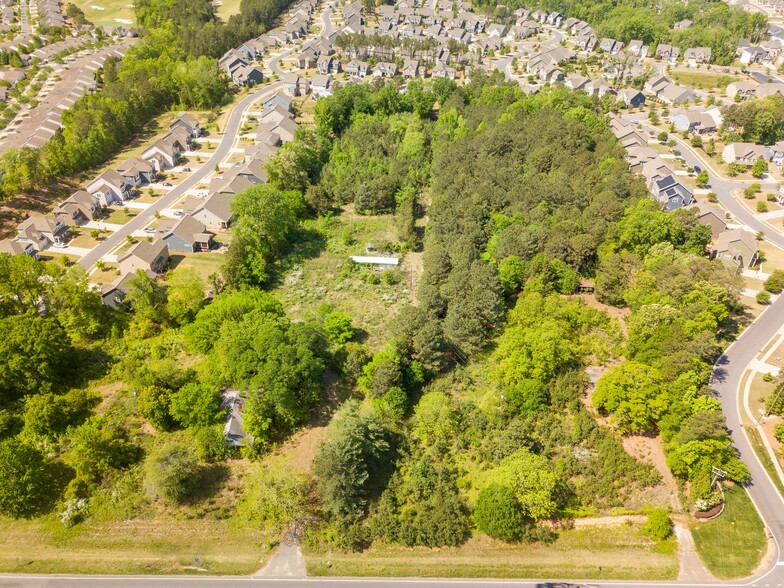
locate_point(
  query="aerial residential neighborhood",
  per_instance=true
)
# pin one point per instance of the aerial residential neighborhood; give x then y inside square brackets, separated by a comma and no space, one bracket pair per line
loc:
[427,292]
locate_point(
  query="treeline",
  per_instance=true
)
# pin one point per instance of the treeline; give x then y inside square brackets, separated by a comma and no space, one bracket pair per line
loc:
[716,24]
[197,27]
[165,70]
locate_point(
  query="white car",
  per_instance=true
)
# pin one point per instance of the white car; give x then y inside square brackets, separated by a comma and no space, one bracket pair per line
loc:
[150,230]
[60,245]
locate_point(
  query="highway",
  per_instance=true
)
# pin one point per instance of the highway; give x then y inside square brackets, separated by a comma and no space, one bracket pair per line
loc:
[148,214]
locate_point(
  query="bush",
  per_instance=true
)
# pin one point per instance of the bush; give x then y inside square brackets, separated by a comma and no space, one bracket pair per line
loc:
[712,197]
[659,525]
[171,472]
[762,207]
[775,283]
[338,327]
[498,513]
[778,432]
[25,478]
[210,443]
[763,298]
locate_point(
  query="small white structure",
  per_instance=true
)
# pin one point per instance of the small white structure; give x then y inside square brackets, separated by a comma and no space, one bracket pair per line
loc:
[233,431]
[375,261]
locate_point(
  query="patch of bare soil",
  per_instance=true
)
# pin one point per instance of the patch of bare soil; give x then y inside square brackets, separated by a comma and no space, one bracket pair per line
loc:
[108,393]
[619,314]
[650,450]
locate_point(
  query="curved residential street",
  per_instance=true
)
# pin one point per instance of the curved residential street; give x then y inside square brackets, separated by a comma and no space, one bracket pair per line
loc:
[148,214]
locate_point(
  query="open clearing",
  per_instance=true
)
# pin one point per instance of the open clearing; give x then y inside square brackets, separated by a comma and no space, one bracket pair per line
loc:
[732,545]
[154,546]
[594,553]
[108,12]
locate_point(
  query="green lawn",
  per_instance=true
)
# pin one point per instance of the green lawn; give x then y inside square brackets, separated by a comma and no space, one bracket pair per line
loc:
[618,552]
[162,545]
[732,545]
[706,80]
[205,264]
[106,12]
[118,216]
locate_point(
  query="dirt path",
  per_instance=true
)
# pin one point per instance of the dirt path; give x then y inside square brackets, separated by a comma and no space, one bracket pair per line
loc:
[286,563]
[691,567]
[650,450]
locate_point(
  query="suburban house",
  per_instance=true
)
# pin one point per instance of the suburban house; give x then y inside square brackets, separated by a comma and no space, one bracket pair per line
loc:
[610,46]
[631,98]
[136,171]
[577,82]
[670,193]
[16,247]
[385,70]
[247,76]
[161,155]
[694,122]
[637,48]
[110,188]
[321,86]
[278,99]
[742,153]
[411,69]
[695,55]
[358,69]
[295,85]
[736,248]
[231,60]
[81,207]
[189,123]
[307,58]
[186,234]
[667,52]
[750,55]
[442,70]
[145,256]
[775,153]
[113,295]
[213,212]
[327,64]
[706,215]
[741,90]
[41,232]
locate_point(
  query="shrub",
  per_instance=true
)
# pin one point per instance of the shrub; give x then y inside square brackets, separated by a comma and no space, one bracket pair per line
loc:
[338,327]
[712,197]
[775,282]
[763,298]
[659,525]
[778,432]
[498,513]
[210,443]
[762,207]
[171,472]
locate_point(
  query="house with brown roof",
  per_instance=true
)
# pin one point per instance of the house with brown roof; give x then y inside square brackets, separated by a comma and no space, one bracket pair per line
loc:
[81,207]
[213,212]
[16,247]
[189,123]
[145,256]
[42,231]
[136,171]
[110,188]
[186,234]
[736,248]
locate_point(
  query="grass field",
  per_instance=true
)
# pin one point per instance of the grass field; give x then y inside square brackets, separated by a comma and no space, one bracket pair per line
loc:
[108,12]
[594,553]
[707,80]
[155,546]
[732,545]
[205,264]
[228,8]
[118,216]
[323,273]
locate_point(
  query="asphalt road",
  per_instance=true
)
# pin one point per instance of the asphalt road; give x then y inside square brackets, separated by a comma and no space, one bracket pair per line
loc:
[148,214]
[722,187]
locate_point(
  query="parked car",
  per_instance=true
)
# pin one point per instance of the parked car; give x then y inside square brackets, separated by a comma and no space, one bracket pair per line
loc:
[60,245]
[166,184]
[150,230]
[178,213]
[186,169]
[697,169]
